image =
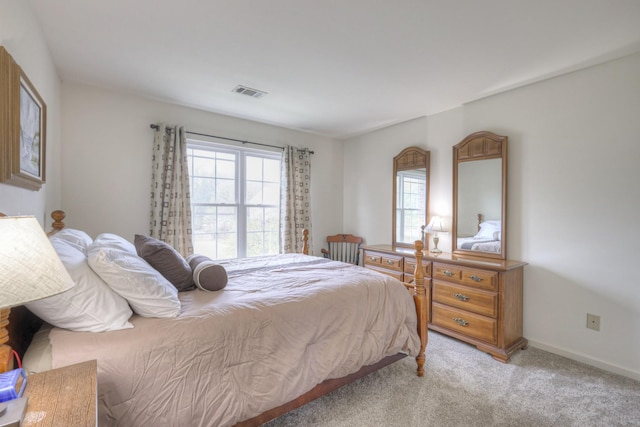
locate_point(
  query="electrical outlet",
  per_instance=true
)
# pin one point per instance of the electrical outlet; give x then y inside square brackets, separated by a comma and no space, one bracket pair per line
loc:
[593,322]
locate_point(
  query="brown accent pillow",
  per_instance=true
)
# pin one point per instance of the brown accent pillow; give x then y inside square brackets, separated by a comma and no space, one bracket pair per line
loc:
[166,260]
[207,275]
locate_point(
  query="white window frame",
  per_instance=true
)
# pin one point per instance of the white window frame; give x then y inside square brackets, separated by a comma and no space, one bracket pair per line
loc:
[401,209]
[241,152]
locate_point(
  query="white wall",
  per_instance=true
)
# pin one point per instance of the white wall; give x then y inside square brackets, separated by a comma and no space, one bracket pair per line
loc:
[20,34]
[574,198]
[368,181]
[106,177]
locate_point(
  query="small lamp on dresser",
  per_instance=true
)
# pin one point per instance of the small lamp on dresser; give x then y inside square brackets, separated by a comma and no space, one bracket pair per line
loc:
[434,227]
[29,270]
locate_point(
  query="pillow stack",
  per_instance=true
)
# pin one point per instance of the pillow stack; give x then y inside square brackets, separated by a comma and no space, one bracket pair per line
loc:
[91,305]
[196,271]
[147,291]
[115,278]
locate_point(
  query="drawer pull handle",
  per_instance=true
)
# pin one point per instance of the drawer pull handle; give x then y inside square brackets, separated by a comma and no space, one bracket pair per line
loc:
[460,321]
[476,278]
[448,273]
[373,258]
[461,297]
[390,262]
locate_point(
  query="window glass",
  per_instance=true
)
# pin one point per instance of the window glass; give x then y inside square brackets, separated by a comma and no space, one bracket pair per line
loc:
[411,187]
[235,200]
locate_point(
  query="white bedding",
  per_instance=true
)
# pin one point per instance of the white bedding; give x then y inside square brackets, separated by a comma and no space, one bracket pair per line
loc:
[282,325]
[479,244]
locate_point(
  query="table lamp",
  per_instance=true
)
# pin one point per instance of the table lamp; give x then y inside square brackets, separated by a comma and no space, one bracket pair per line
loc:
[434,227]
[30,270]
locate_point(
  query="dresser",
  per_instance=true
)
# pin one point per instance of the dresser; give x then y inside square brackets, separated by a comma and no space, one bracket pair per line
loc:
[473,299]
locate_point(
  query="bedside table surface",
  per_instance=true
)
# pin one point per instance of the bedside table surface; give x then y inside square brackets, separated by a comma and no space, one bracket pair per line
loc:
[62,397]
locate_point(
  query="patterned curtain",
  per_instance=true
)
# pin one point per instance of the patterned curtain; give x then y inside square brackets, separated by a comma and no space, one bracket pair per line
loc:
[295,199]
[170,195]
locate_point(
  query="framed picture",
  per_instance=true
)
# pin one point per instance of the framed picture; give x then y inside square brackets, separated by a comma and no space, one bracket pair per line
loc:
[23,115]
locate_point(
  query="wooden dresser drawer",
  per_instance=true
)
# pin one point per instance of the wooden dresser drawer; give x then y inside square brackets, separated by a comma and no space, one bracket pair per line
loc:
[390,265]
[480,278]
[410,266]
[392,262]
[485,279]
[475,300]
[387,261]
[447,272]
[372,258]
[464,322]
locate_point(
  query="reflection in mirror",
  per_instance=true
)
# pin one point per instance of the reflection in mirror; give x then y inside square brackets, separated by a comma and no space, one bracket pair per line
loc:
[410,195]
[479,222]
[479,192]
[410,204]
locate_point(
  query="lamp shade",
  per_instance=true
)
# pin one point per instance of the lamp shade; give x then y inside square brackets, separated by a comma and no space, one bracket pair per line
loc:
[30,269]
[435,225]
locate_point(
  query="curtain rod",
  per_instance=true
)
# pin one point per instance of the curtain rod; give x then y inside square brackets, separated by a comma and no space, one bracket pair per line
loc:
[156,127]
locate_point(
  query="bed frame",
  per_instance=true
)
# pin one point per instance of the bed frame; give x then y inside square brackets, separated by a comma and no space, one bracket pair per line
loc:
[23,325]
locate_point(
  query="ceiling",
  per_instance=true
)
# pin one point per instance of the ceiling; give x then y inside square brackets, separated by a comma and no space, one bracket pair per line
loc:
[333,67]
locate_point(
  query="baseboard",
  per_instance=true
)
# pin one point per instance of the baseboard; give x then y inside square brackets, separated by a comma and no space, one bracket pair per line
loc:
[586,359]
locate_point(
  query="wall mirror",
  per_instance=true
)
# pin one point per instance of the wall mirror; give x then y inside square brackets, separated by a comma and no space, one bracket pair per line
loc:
[410,195]
[480,196]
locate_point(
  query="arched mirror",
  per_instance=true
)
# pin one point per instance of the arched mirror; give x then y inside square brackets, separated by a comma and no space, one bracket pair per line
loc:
[410,195]
[480,196]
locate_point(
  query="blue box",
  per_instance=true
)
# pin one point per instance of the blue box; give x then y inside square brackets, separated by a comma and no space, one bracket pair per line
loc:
[12,384]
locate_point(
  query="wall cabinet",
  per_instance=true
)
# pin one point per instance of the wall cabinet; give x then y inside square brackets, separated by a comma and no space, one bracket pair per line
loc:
[476,300]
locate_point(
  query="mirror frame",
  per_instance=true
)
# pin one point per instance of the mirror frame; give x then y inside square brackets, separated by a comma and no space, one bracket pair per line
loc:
[410,158]
[476,147]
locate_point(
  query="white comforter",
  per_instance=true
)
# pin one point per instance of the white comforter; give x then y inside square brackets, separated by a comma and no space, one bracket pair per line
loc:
[479,244]
[282,325]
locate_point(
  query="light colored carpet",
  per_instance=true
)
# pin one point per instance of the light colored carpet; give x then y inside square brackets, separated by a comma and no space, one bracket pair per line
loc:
[465,387]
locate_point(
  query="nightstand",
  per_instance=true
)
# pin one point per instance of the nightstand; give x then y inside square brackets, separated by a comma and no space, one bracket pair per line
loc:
[64,397]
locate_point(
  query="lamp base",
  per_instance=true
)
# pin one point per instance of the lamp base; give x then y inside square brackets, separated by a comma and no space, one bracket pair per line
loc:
[12,412]
[435,249]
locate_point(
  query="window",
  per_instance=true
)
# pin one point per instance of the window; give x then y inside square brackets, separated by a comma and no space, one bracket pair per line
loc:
[410,209]
[235,200]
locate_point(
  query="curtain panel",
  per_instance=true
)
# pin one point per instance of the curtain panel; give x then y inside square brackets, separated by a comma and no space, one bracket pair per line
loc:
[170,194]
[295,199]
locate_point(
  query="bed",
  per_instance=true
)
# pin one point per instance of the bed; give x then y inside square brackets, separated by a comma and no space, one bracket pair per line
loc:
[487,239]
[286,329]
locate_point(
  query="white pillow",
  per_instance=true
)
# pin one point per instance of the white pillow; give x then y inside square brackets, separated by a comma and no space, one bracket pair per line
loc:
[77,238]
[146,290]
[113,241]
[90,305]
[488,229]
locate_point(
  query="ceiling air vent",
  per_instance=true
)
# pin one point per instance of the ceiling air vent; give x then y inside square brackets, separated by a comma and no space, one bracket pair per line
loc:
[254,93]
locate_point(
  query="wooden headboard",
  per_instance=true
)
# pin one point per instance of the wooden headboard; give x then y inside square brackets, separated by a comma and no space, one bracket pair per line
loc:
[22,323]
